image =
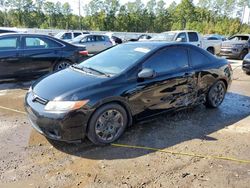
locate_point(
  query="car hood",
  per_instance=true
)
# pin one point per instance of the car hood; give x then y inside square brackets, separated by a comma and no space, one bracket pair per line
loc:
[64,85]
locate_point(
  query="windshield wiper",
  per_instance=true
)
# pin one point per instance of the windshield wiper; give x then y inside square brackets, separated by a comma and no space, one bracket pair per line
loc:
[89,68]
[76,67]
[97,71]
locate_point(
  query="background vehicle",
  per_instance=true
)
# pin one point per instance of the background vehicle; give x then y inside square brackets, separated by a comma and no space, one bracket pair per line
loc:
[116,39]
[215,37]
[131,81]
[33,55]
[192,37]
[142,37]
[236,46]
[69,36]
[94,42]
[246,64]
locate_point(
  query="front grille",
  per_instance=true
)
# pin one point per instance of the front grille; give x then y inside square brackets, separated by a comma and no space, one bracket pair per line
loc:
[39,99]
[227,45]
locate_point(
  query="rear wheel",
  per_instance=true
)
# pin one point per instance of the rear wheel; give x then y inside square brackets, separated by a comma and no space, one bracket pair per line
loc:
[62,65]
[107,124]
[216,95]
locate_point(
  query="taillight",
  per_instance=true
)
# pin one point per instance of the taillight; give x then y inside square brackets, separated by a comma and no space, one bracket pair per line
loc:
[84,52]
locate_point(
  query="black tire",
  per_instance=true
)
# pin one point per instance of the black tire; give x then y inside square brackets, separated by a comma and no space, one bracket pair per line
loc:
[62,65]
[216,95]
[211,50]
[243,54]
[248,72]
[96,135]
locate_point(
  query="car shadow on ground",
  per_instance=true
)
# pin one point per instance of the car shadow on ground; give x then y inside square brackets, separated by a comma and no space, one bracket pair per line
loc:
[167,130]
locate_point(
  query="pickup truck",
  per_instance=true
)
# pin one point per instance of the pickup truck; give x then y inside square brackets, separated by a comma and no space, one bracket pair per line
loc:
[192,37]
[236,46]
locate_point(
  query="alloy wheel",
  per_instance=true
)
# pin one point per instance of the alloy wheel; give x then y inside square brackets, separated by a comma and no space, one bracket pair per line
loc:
[109,124]
[62,65]
[217,94]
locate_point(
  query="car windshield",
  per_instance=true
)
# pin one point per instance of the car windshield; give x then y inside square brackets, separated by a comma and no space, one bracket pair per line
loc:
[168,36]
[78,38]
[239,38]
[115,60]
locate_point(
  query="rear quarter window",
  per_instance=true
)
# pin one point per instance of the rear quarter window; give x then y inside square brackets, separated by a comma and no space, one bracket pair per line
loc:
[9,43]
[198,59]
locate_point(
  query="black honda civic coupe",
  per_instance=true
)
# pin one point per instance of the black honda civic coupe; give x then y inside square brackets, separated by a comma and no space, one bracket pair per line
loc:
[103,95]
[30,55]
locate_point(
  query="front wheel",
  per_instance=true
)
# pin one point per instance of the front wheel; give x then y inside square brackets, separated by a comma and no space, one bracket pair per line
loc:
[107,124]
[216,95]
[243,54]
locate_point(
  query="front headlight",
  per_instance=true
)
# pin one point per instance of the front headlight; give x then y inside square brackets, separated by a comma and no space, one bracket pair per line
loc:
[64,106]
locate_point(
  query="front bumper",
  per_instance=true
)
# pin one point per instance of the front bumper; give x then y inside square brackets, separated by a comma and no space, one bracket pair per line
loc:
[230,52]
[68,127]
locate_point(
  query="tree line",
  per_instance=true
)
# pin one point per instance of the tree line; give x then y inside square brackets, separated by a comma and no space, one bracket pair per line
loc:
[208,16]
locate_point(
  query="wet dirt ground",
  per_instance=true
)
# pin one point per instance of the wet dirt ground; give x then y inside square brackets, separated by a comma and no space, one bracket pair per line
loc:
[27,159]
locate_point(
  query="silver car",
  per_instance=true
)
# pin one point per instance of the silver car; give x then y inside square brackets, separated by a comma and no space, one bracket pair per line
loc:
[93,42]
[69,36]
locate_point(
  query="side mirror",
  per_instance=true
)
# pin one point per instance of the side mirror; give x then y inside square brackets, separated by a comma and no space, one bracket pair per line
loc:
[146,73]
[179,39]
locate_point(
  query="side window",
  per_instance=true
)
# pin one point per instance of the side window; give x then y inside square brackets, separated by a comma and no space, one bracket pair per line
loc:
[67,36]
[77,34]
[183,37]
[193,37]
[35,42]
[9,43]
[212,38]
[99,38]
[198,58]
[90,39]
[168,59]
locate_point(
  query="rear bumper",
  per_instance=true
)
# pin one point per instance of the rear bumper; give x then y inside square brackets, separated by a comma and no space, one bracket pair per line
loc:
[67,127]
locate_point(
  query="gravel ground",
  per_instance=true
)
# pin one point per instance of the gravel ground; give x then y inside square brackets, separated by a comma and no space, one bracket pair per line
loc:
[27,159]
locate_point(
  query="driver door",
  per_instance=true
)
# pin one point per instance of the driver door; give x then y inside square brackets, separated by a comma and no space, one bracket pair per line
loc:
[172,87]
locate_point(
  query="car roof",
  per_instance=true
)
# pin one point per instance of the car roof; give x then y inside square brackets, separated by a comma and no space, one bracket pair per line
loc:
[95,34]
[178,31]
[23,34]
